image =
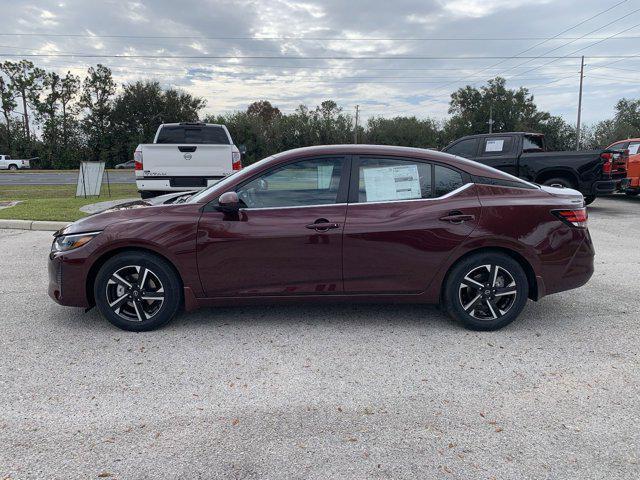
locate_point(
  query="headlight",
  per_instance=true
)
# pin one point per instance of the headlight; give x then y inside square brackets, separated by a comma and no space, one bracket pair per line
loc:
[64,243]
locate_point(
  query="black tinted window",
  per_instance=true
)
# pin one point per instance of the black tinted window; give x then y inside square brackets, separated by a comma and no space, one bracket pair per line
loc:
[532,143]
[496,145]
[465,148]
[193,135]
[389,179]
[308,182]
[446,180]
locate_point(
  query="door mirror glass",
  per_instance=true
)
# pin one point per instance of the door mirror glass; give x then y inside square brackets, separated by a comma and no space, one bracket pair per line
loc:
[229,202]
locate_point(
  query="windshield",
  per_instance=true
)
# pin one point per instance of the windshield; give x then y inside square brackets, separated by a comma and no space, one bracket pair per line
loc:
[224,183]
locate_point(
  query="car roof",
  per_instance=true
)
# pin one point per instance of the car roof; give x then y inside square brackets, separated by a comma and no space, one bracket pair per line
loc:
[626,140]
[469,166]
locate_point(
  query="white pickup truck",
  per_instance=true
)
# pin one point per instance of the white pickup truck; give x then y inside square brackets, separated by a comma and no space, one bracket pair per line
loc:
[183,157]
[8,163]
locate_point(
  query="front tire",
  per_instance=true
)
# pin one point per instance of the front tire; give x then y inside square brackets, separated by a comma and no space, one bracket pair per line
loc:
[486,291]
[137,291]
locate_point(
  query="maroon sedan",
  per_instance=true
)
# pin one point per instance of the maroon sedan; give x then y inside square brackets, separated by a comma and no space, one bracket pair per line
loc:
[333,223]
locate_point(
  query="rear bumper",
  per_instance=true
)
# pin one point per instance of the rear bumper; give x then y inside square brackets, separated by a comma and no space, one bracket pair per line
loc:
[578,270]
[174,184]
[603,187]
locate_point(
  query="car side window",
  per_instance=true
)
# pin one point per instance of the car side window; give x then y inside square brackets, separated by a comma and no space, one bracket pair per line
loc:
[304,183]
[634,148]
[389,179]
[446,180]
[496,146]
[465,148]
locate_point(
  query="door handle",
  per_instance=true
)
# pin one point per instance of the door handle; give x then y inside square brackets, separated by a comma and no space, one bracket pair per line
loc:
[189,149]
[457,217]
[322,225]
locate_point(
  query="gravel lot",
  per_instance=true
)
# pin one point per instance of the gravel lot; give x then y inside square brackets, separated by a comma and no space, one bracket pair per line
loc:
[326,392]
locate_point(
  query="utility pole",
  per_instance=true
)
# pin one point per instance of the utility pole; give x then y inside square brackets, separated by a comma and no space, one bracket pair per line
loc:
[579,104]
[355,130]
[491,122]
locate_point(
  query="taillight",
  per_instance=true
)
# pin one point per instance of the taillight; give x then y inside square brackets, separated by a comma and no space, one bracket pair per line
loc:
[608,162]
[236,163]
[137,158]
[574,218]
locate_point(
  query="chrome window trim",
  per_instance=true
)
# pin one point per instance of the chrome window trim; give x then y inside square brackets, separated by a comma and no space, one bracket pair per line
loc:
[431,199]
[446,195]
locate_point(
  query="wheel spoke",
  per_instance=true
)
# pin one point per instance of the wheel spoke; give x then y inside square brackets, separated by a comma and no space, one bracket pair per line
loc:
[472,283]
[491,306]
[117,303]
[115,278]
[145,272]
[503,292]
[472,303]
[139,310]
[152,296]
[493,275]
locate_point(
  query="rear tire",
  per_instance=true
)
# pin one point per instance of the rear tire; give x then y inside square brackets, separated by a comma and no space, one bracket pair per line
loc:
[486,291]
[562,182]
[13,167]
[137,291]
[589,199]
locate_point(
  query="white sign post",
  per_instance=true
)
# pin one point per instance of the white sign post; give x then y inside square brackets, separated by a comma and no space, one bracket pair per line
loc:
[90,179]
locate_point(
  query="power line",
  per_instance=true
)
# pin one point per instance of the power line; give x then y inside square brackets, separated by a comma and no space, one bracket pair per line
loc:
[290,38]
[285,57]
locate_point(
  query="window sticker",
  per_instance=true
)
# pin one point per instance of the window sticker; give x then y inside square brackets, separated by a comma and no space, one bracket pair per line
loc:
[494,145]
[325,172]
[633,148]
[392,183]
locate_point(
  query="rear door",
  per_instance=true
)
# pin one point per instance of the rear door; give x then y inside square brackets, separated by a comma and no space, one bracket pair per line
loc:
[405,217]
[189,151]
[499,152]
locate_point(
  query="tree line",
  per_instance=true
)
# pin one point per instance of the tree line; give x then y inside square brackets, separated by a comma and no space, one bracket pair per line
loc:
[63,119]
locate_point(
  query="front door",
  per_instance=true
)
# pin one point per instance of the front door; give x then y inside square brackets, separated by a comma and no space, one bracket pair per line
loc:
[287,238]
[405,218]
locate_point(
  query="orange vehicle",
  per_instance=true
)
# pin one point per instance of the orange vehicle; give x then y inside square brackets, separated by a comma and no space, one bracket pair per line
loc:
[632,146]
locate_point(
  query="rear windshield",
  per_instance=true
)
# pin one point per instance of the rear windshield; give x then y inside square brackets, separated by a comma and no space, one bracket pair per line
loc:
[193,134]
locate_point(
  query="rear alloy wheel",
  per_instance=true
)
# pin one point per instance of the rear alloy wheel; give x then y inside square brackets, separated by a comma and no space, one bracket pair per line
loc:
[486,291]
[13,167]
[137,291]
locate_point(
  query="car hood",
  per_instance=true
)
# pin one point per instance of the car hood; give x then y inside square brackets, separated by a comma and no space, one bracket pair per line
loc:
[100,221]
[168,199]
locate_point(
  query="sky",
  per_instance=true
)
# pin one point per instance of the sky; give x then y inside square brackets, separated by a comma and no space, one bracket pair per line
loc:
[400,57]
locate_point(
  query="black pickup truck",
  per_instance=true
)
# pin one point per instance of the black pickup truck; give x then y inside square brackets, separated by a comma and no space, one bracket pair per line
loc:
[594,172]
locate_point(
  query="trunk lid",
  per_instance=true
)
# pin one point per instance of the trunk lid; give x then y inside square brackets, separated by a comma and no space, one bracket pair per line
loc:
[574,197]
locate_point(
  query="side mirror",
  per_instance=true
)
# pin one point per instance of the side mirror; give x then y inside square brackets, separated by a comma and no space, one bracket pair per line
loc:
[229,202]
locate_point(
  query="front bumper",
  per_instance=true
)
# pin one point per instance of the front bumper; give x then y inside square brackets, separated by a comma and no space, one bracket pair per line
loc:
[67,280]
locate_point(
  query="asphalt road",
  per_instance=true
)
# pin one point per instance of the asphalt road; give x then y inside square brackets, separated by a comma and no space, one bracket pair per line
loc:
[59,178]
[317,392]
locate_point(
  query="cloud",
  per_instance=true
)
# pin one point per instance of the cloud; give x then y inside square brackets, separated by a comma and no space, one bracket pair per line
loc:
[402,28]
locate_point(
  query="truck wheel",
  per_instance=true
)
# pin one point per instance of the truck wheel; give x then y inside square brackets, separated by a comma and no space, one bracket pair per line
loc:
[13,167]
[589,199]
[561,182]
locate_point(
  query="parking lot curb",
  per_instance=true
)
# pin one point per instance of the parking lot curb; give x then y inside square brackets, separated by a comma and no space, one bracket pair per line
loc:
[32,225]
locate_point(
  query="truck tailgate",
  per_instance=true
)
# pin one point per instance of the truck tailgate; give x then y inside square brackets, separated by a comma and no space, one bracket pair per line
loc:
[170,160]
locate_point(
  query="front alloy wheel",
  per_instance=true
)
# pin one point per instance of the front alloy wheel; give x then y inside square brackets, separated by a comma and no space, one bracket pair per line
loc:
[137,291]
[486,291]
